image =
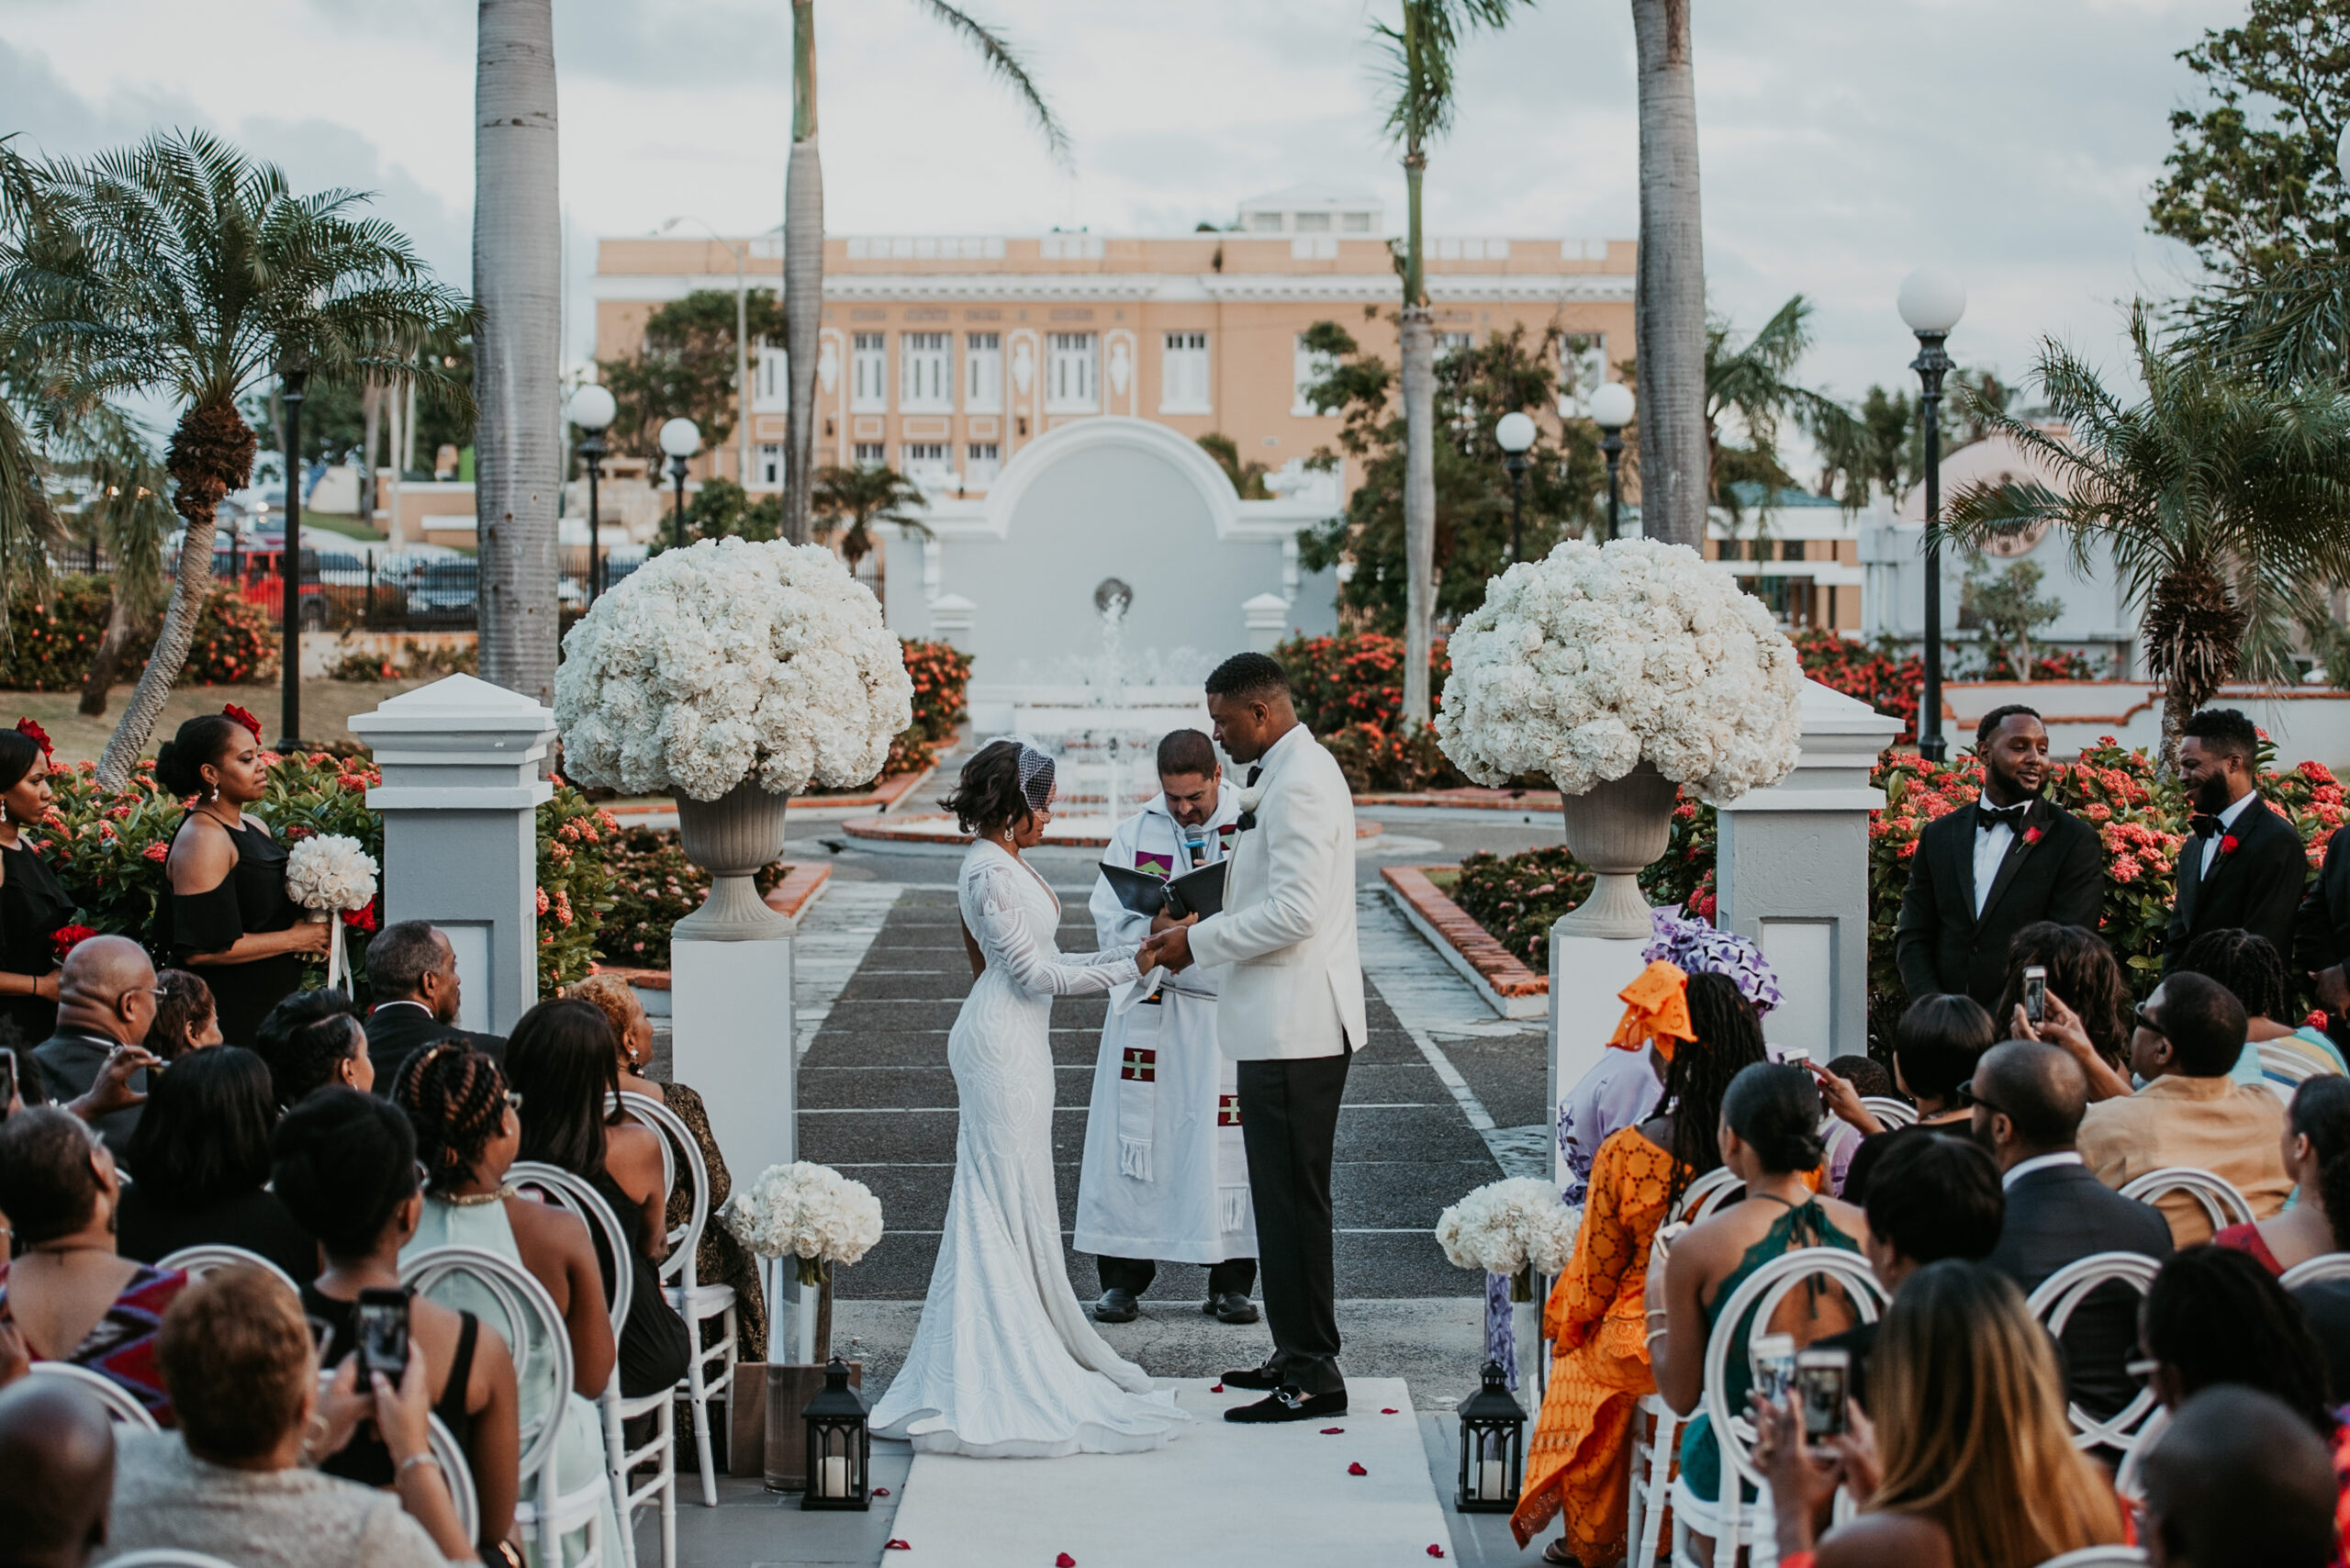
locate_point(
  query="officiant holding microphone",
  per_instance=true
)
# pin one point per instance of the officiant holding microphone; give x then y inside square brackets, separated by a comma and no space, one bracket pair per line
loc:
[1165,1178]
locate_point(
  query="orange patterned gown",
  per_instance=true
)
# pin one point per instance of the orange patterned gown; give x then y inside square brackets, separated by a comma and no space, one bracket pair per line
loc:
[1579,1460]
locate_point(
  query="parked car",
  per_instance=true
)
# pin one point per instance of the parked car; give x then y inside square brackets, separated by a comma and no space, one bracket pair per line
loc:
[446,587]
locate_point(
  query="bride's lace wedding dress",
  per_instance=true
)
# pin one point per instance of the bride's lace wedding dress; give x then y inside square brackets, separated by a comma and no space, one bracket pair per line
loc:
[1005,1364]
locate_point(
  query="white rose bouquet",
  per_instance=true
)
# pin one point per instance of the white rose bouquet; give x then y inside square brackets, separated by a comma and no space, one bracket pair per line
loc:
[1585,663]
[1504,1226]
[728,661]
[327,874]
[811,1213]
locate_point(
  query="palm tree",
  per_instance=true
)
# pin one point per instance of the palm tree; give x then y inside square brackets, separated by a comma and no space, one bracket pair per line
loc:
[1420,102]
[848,501]
[1669,300]
[803,227]
[179,266]
[1755,381]
[28,526]
[2222,500]
[518,288]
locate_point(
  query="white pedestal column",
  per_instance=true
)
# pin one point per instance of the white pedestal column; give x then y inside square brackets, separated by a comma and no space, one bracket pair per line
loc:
[1585,974]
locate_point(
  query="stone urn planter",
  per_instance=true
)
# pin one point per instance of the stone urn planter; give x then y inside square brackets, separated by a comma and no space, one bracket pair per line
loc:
[731,837]
[1618,829]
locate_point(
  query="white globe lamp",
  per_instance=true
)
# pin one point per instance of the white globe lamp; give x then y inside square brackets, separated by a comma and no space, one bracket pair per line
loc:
[1611,406]
[591,408]
[1514,432]
[680,437]
[1931,302]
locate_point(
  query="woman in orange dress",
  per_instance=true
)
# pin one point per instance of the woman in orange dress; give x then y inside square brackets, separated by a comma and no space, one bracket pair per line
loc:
[1578,1462]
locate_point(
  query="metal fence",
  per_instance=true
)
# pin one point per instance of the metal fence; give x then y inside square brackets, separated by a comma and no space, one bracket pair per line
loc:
[346,592]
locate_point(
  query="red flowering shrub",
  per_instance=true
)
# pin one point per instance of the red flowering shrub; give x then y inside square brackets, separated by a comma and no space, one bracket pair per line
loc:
[940,675]
[1879,674]
[54,639]
[654,887]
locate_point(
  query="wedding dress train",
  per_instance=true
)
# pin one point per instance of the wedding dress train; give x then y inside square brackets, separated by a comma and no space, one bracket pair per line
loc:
[1005,1364]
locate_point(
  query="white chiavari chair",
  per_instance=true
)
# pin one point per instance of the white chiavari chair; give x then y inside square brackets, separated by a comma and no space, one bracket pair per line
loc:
[2220,1202]
[2054,1303]
[197,1261]
[121,1405]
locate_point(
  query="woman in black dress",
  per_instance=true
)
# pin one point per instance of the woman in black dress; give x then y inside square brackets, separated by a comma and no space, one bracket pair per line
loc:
[33,907]
[229,915]
[199,1160]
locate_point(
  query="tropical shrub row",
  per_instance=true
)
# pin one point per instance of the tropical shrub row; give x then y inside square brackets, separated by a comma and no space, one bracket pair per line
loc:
[53,636]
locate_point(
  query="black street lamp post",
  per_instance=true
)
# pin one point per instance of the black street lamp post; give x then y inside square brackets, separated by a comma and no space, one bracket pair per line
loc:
[1514,432]
[677,472]
[1611,410]
[591,410]
[289,565]
[1931,302]
[1611,443]
[681,438]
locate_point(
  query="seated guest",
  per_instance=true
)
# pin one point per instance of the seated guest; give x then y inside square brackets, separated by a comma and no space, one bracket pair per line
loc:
[346,1162]
[2236,1480]
[2317,1157]
[312,1039]
[467,1137]
[1578,1461]
[2250,967]
[564,1062]
[2215,1316]
[56,1475]
[1967,1462]
[2089,1004]
[1870,1081]
[720,1259]
[1934,1051]
[105,997]
[2190,1112]
[1619,1091]
[186,1018]
[201,1159]
[2028,1103]
[71,1295]
[1769,1138]
[1930,1198]
[412,973]
[236,1353]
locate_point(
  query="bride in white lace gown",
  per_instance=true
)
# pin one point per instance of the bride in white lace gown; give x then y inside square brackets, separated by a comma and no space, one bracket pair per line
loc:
[1005,1364]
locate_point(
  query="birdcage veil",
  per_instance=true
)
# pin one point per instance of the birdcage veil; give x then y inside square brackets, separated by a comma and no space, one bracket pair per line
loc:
[1035,771]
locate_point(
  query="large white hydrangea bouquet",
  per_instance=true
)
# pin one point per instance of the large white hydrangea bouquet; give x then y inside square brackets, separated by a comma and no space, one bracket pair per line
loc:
[727,661]
[811,1213]
[1504,1226]
[1585,663]
[329,874]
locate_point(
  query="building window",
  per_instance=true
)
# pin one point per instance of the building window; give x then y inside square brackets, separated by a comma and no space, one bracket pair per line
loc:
[1453,342]
[771,380]
[871,454]
[926,461]
[1314,223]
[869,387]
[1264,223]
[1583,367]
[1072,380]
[1183,375]
[925,381]
[766,467]
[984,463]
[1355,222]
[983,373]
[1310,367]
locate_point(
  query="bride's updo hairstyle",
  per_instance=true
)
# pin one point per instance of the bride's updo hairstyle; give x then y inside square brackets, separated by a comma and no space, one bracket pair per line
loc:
[1005,782]
[1774,1109]
[202,742]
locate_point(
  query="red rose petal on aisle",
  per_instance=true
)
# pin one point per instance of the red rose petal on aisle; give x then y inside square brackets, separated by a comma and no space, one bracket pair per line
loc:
[1332,1432]
[1390,1410]
[1064,1561]
[1215,1388]
[880,1491]
[893,1544]
[1357,1470]
[1435,1551]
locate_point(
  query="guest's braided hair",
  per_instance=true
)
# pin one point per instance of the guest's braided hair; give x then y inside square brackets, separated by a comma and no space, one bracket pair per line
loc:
[1729,1037]
[455,1098]
[2247,964]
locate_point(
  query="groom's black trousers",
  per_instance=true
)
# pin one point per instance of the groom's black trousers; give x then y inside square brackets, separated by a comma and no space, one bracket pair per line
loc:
[1289,1124]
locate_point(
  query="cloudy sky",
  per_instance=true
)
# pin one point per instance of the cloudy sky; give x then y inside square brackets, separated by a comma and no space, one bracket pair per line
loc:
[2011,140]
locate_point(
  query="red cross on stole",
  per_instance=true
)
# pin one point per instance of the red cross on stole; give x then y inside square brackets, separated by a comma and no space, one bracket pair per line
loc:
[1140,1063]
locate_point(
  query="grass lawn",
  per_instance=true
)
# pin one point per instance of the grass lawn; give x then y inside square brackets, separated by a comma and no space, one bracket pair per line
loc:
[326,707]
[349,527]
[1444,880]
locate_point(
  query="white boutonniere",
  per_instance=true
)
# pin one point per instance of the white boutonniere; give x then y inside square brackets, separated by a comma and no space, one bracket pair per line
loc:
[1250,798]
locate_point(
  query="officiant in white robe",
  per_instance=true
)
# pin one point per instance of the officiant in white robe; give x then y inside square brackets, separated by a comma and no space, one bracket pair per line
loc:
[1165,1177]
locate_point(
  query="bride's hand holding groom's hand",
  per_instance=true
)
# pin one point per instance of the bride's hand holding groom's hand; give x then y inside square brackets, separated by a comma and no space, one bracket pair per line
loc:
[1169,949]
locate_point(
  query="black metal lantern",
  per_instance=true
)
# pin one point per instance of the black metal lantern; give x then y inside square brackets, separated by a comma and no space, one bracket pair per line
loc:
[1493,1448]
[840,1450]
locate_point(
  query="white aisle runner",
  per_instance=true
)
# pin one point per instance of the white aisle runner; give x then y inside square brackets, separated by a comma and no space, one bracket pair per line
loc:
[1282,1496]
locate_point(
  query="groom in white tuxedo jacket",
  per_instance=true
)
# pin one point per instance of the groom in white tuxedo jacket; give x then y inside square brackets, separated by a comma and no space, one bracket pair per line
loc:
[1292,1015]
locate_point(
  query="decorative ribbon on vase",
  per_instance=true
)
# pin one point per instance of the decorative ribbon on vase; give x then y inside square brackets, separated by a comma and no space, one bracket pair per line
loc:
[1656,1009]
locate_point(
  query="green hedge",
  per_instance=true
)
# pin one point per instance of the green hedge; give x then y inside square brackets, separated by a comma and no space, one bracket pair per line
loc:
[52,638]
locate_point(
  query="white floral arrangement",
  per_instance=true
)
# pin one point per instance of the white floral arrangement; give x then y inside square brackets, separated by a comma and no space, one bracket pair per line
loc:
[1506,1226]
[805,1211]
[328,874]
[1584,664]
[727,661]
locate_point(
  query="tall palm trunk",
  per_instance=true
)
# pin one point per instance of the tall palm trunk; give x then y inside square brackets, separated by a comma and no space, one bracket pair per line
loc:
[1670,312]
[1419,507]
[211,453]
[517,298]
[803,275]
[98,681]
[371,424]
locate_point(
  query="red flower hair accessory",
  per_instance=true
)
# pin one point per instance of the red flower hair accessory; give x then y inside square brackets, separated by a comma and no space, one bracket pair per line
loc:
[37,735]
[250,722]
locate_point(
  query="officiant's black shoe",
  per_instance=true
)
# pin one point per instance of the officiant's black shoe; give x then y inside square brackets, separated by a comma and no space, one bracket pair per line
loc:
[1232,1306]
[1115,1307]
[1289,1404]
[1265,1378]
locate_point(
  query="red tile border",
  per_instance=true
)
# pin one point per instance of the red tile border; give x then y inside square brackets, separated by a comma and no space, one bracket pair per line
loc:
[801,881]
[1496,964]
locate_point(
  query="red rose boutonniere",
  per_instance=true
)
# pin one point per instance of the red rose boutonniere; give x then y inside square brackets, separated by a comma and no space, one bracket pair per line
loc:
[2031,836]
[242,717]
[2227,843]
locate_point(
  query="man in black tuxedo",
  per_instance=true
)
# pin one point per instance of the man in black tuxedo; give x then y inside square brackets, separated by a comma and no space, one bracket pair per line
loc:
[2322,937]
[2028,1101]
[1982,874]
[413,970]
[2244,867]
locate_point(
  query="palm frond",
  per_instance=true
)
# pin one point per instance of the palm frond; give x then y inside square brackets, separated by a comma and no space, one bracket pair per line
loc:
[1416,54]
[1005,63]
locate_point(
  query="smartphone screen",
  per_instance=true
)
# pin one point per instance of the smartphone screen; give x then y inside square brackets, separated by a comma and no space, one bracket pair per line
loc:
[382,1332]
[1820,1379]
[2036,993]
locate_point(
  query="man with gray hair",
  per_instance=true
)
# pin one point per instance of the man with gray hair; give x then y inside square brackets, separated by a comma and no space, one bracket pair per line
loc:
[413,970]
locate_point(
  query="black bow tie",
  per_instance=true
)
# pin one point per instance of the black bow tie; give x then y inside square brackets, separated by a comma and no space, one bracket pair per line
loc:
[1988,817]
[1248,819]
[2205,824]
[1255,773]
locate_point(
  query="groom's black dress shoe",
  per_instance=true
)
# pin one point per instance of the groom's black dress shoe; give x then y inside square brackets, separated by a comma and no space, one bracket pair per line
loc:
[1289,1404]
[1115,1307]
[1232,1306]
[1267,1377]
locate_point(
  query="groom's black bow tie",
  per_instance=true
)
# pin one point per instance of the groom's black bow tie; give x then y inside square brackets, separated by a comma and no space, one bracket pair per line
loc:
[1248,818]
[1988,817]
[2205,824]
[1255,773]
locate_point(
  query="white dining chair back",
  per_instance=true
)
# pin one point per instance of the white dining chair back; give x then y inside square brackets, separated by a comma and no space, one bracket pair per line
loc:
[168,1557]
[2054,1300]
[1703,1196]
[1890,1113]
[2100,1557]
[554,1185]
[121,1405]
[450,1455]
[2324,1265]
[197,1261]
[2219,1200]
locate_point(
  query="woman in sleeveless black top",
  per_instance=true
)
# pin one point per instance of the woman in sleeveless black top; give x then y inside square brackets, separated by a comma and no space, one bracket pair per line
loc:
[231,919]
[33,906]
[344,1163]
